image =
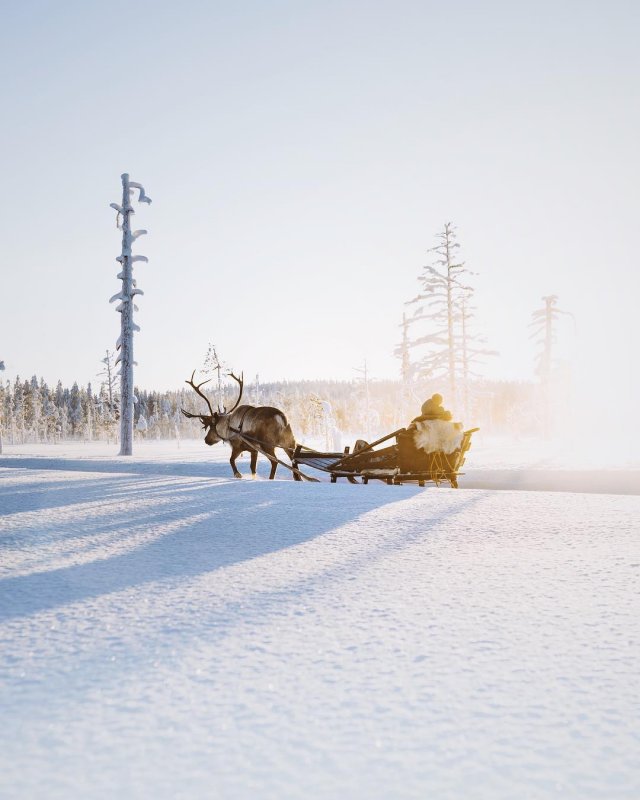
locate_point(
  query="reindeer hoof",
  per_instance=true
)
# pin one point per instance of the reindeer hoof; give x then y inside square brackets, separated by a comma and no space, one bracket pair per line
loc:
[237,475]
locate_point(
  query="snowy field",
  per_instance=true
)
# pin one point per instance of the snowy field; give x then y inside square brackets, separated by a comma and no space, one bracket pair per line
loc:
[167,631]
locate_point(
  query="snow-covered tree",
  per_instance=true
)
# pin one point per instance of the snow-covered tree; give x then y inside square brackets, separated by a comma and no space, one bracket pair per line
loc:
[544,332]
[18,409]
[407,371]
[75,411]
[50,414]
[214,365]
[33,407]
[449,348]
[126,307]
[89,412]
[8,416]
[368,416]
[2,407]
[110,382]
[60,395]
[64,427]
[437,305]
[544,323]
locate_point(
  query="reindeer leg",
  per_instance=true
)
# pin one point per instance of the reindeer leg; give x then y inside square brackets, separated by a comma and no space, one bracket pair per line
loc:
[269,452]
[254,462]
[234,454]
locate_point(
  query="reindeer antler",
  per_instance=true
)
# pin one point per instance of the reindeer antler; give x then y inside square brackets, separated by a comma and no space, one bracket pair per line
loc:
[190,415]
[202,394]
[240,380]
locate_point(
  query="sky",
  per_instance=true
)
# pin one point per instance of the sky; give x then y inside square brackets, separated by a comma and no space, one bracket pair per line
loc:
[301,157]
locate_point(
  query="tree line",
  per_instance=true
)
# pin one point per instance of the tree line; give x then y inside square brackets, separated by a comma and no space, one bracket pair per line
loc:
[32,412]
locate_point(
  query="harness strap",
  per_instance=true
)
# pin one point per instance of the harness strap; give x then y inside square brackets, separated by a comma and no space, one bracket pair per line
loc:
[244,414]
[239,428]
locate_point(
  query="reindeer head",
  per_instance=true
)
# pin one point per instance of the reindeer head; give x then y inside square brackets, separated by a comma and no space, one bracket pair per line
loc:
[210,421]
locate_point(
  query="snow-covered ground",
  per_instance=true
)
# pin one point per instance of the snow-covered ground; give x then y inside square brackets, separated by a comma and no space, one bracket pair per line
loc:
[492,463]
[169,632]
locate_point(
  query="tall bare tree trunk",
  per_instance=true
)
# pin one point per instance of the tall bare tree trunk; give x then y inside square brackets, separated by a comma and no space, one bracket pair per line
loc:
[126,309]
[126,328]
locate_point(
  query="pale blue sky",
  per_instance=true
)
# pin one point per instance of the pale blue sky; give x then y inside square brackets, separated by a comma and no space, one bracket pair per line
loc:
[301,156]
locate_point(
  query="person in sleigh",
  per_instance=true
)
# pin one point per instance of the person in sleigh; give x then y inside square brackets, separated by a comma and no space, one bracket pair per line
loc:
[432,409]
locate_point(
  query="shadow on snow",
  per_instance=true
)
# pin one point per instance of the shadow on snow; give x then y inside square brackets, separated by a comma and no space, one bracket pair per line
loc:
[189,529]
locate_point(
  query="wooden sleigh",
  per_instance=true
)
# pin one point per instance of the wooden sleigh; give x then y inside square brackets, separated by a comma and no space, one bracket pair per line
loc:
[395,464]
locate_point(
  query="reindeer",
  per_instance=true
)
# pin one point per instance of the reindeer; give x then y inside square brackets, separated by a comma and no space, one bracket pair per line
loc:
[266,426]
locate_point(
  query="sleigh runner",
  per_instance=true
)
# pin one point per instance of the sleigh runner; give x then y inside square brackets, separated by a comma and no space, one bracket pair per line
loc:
[395,464]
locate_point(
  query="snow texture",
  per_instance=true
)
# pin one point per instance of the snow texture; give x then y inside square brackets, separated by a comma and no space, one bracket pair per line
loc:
[167,631]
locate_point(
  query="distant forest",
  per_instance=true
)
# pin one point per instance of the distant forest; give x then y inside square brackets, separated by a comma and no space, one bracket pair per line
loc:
[32,411]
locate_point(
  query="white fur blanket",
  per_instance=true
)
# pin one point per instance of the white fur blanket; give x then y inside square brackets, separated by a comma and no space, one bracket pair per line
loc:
[438,435]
